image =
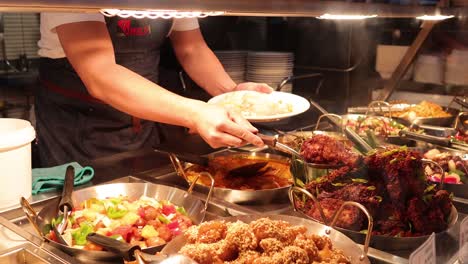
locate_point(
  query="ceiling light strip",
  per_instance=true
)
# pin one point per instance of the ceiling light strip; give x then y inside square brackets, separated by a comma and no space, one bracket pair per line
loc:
[345,17]
[433,18]
[154,14]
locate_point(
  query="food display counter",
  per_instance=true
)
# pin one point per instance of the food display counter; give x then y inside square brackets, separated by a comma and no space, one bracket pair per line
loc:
[413,158]
[20,242]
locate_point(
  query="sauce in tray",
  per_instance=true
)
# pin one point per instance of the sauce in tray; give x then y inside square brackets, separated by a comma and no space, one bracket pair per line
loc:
[275,174]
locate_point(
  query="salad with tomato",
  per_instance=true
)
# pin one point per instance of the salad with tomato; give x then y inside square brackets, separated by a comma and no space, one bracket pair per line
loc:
[379,125]
[145,222]
[455,167]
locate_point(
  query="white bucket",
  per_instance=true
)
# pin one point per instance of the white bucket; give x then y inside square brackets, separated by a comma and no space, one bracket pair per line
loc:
[15,160]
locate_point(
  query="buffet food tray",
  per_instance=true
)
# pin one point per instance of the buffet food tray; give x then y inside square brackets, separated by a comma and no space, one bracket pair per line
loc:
[219,208]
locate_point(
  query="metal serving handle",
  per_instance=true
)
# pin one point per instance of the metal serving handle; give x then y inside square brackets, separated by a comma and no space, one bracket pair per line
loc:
[297,77]
[425,138]
[124,250]
[181,171]
[31,215]
[350,134]
[370,107]
[331,115]
[458,119]
[370,224]
[272,141]
[442,171]
[292,199]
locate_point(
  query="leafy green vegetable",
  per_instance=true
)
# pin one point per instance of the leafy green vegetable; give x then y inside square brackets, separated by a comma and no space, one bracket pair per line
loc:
[181,210]
[338,184]
[430,188]
[372,139]
[360,180]
[393,151]
[378,198]
[163,219]
[79,235]
[117,237]
[458,172]
[363,231]
[114,212]
[371,188]
[115,201]
[299,182]
[56,221]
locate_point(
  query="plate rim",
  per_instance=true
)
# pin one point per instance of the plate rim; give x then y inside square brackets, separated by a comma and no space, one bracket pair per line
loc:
[269,118]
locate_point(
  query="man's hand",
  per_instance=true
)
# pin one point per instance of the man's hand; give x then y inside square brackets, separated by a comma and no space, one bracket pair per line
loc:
[252,86]
[221,128]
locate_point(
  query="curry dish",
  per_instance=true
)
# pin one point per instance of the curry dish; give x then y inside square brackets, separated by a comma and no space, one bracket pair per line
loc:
[275,174]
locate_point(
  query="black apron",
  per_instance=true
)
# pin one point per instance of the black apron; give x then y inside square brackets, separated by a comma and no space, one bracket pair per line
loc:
[74,126]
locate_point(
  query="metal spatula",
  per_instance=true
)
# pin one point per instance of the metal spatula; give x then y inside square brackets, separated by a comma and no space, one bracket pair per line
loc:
[248,170]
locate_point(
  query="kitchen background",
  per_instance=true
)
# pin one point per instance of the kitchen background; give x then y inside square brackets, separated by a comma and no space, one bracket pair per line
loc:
[350,59]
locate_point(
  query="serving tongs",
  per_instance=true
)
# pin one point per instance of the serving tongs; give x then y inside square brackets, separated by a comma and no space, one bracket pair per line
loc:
[441,141]
[134,253]
[244,170]
[65,206]
[350,133]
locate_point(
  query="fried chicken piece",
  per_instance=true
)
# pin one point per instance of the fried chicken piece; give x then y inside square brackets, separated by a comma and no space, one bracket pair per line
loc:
[291,255]
[264,259]
[321,241]
[245,257]
[241,236]
[308,245]
[209,253]
[191,234]
[270,246]
[211,232]
[266,228]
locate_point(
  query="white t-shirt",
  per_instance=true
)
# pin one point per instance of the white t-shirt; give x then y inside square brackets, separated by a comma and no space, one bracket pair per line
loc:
[49,44]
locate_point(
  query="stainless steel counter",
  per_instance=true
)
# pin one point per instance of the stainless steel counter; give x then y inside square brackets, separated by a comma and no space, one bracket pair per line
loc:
[19,241]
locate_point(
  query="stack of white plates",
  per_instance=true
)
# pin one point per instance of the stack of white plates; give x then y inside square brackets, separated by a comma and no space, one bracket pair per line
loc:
[234,63]
[270,68]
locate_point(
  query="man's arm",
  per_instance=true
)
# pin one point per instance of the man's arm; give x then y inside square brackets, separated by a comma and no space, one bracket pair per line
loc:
[89,49]
[203,66]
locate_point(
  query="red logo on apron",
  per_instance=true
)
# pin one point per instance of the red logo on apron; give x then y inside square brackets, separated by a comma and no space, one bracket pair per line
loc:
[130,30]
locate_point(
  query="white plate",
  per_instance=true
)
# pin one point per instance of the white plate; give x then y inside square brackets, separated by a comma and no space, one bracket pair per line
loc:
[299,104]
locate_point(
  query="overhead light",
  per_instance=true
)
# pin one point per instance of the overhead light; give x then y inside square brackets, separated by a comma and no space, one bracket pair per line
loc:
[434,18]
[153,14]
[345,17]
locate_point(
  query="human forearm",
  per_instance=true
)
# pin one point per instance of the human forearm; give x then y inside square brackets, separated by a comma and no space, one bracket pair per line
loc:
[205,69]
[200,62]
[137,96]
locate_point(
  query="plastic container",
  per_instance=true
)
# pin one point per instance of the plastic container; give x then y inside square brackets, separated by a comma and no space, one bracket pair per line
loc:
[455,68]
[16,136]
[388,58]
[429,69]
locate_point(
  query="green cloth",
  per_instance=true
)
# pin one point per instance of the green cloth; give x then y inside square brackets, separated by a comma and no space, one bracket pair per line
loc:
[50,179]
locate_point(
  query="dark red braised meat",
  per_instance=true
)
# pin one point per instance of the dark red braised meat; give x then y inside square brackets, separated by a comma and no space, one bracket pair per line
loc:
[322,149]
[391,185]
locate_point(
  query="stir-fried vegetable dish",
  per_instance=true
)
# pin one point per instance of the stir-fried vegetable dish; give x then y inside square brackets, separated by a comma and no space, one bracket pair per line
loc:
[380,126]
[146,222]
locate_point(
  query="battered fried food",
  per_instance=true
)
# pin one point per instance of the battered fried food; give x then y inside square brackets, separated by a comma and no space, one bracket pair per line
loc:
[241,236]
[270,246]
[263,241]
